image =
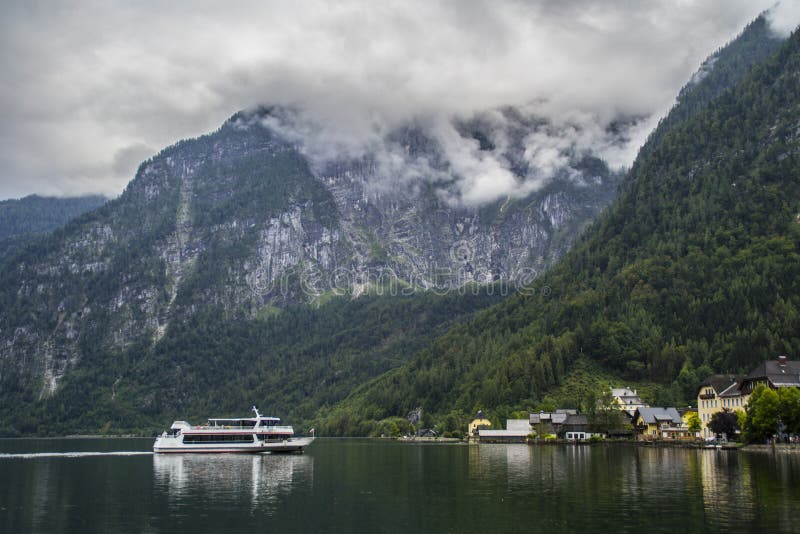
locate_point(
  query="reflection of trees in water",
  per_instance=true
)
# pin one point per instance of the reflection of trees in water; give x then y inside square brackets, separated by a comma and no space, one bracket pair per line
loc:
[229,477]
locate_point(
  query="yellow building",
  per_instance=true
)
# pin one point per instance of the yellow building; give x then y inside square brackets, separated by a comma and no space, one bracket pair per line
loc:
[686,414]
[715,394]
[685,418]
[731,392]
[659,423]
[478,423]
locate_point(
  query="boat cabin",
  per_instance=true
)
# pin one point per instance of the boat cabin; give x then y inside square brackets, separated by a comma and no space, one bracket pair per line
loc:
[246,422]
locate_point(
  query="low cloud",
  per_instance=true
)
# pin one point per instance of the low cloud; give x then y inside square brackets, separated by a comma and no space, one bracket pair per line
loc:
[468,160]
[87,91]
[784,17]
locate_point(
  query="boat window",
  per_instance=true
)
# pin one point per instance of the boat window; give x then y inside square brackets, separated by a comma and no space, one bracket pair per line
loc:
[218,438]
[273,437]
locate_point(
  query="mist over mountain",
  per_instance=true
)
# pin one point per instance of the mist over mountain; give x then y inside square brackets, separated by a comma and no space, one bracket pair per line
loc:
[98,90]
[504,153]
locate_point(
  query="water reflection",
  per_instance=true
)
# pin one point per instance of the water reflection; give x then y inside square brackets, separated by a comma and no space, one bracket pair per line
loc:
[726,478]
[752,487]
[723,490]
[228,477]
[377,486]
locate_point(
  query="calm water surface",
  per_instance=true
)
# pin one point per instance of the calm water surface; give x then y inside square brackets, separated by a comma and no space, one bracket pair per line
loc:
[105,485]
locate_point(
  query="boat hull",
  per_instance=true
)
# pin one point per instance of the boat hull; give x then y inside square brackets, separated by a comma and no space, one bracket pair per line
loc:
[175,446]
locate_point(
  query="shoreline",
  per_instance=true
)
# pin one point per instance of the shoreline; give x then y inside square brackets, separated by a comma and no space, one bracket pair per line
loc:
[775,448]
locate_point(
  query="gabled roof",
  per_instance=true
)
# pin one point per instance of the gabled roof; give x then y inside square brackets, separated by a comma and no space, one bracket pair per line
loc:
[575,419]
[653,416]
[733,390]
[720,383]
[783,373]
[627,396]
[518,424]
[558,418]
[544,417]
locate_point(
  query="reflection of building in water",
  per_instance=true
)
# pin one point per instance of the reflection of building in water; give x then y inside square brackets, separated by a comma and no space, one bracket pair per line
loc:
[264,476]
[518,463]
[496,457]
[727,478]
[652,472]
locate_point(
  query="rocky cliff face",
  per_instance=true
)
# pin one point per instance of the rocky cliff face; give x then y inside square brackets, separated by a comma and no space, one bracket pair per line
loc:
[239,219]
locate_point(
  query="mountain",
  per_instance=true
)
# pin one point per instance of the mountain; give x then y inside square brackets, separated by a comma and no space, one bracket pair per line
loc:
[224,275]
[694,269]
[23,220]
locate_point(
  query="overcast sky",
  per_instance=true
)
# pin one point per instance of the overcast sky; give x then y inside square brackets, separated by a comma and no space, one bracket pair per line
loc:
[90,89]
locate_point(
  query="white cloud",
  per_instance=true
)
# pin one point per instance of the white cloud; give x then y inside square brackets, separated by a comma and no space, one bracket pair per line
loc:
[784,17]
[87,87]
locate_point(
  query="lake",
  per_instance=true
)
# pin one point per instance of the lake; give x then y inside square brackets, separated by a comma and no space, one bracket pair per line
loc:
[362,485]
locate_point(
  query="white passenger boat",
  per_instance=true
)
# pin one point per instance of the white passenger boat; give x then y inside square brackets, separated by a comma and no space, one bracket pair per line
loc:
[249,434]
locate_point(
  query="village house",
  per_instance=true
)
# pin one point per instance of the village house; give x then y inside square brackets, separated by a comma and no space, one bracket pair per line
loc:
[731,392]
[477,424]
[659,423]
[516,431]
[779,373]
[715,394]
[575,428]
[626,400]
[549,423]
[686,413]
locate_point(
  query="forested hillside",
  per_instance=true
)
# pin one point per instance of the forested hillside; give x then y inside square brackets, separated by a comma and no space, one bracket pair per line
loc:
[24,219]
[694,268]
[721,71]
[291,361]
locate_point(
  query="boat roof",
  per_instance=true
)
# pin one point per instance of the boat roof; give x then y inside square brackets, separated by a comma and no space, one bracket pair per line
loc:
[254,419]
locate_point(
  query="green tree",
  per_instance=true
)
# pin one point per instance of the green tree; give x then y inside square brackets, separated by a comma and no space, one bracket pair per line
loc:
[693,421]
[605,416]
[790,409]
[763,415]
[742,419]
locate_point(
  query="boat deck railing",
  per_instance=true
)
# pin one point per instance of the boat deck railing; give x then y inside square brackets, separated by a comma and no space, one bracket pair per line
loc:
[271,428]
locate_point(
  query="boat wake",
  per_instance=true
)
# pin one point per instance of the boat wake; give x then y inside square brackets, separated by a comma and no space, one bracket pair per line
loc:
[30,455]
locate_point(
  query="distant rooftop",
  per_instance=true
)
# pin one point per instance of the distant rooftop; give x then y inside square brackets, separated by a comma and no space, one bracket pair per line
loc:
[781,372]
[657,415]
[721,383]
